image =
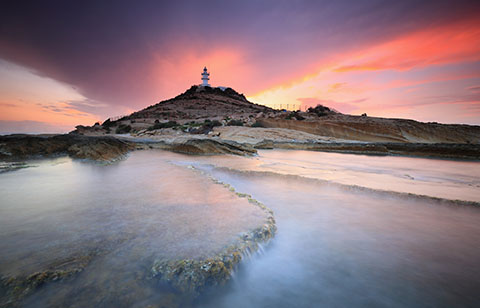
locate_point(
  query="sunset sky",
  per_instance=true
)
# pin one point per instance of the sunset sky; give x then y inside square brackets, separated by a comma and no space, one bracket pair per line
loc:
[64,63]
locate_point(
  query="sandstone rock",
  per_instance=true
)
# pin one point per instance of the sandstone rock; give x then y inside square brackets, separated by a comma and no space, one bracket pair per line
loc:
[373,129]
[211,146]
[96,148]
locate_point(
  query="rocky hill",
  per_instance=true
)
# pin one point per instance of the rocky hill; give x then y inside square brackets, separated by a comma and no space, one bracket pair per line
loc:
[203,110]
[197,110]
[202,103]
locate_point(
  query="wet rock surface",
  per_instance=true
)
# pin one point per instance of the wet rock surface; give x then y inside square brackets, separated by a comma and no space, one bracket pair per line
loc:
[14,289]
[11,166]
[192,277]
[105,149]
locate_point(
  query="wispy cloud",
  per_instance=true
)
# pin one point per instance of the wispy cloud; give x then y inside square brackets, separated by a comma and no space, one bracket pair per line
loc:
[10,127]
[448,43]
[474,88]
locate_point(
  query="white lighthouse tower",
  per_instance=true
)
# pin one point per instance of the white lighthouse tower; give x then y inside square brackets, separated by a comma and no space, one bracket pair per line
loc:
[205,78]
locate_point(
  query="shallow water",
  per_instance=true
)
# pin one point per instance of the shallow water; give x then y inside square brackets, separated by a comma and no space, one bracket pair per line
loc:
[343,247]
[449,179]
[118,218]
[336,246]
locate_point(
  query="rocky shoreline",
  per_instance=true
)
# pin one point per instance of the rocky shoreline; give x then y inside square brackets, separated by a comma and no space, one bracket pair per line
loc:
[189,277]
[103,149]
[108,149]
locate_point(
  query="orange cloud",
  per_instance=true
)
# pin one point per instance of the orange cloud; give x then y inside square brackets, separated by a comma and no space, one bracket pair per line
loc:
[24,96]
[456,42]
[337,86]
[58,113]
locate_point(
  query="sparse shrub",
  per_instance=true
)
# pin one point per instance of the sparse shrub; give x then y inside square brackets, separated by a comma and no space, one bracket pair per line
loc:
[235,123]
[320,110]
[157,121]
[364,114]
[123,129]
[299,117]
[295,115]
[212,124]
[169,124]
[193,124]
[258,124]
[107,123]
[207,127]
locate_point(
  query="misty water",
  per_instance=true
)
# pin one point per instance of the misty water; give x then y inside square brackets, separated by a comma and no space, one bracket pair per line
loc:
[348,232]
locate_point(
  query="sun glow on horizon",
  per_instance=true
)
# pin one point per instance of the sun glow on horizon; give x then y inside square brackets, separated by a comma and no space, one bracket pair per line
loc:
[380,79]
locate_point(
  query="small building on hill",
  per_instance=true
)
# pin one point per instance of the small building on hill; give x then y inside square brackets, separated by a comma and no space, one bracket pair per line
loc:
[205,78]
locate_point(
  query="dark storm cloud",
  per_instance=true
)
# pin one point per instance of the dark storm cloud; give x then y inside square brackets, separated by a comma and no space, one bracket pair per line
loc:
[105,48]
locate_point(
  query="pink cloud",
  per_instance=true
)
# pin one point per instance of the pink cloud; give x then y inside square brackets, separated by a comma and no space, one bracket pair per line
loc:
[449,43]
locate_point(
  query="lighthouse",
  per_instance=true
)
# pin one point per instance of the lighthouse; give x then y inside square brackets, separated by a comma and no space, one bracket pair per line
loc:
[205,77]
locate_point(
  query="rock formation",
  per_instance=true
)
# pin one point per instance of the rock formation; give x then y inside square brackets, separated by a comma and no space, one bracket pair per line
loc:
[105,149]
[372,129]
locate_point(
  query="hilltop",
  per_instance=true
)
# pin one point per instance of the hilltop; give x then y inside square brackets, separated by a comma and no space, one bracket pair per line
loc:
[202,103]
[198,108]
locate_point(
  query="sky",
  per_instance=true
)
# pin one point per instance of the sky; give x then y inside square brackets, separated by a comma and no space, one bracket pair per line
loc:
[65,63]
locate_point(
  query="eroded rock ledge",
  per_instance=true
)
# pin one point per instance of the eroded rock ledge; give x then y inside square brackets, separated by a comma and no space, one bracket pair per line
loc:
[190,277]
[201,147]
[106,149]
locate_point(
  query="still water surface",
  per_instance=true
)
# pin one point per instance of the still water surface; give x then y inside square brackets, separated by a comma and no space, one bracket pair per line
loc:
[336,246]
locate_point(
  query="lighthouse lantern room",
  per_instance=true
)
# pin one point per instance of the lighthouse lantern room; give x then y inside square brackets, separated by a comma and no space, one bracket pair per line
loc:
[205,77]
